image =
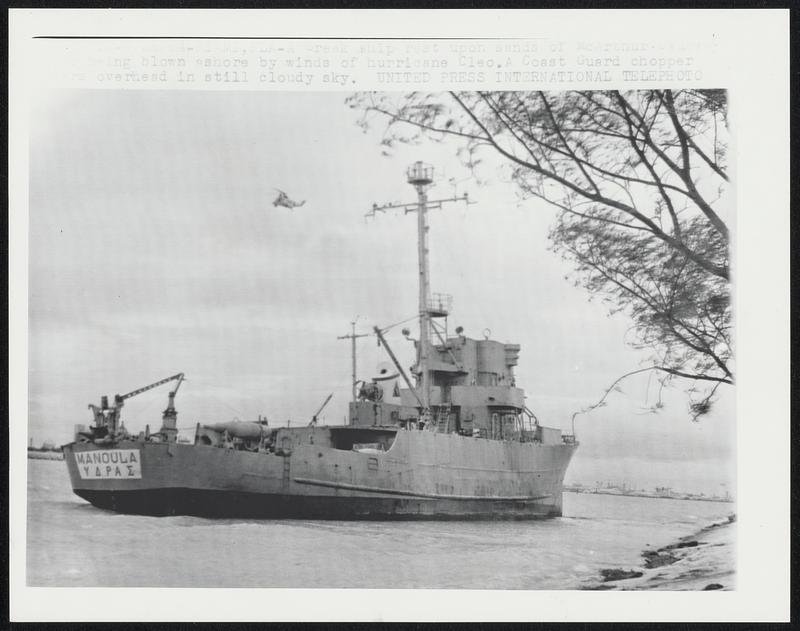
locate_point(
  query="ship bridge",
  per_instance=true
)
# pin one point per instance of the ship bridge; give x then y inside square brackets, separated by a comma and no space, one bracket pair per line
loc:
[460,360]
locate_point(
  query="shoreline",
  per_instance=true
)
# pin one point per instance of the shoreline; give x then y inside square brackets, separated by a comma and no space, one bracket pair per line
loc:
[701,561]
[650,495]
[45,455]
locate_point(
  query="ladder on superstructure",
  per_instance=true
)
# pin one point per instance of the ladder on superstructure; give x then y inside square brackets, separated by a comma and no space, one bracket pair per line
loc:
[443,418]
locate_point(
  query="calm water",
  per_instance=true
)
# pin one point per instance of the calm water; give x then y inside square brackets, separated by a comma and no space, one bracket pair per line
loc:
[71,543]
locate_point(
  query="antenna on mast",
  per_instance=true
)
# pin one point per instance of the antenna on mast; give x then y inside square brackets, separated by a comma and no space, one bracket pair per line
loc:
[352,337]
[420,176]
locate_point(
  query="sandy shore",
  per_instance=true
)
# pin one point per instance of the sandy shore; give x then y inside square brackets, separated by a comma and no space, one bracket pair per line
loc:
[705,560]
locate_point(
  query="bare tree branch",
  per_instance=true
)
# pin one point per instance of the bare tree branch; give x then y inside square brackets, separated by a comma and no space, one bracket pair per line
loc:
[630,175]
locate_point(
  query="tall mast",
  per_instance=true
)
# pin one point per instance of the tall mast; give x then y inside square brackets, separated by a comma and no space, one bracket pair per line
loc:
[420,176]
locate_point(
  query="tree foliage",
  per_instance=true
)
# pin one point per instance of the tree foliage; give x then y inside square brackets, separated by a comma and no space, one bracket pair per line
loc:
[639,181]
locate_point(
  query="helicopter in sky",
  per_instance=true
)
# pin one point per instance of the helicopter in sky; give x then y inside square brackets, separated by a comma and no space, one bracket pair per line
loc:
[283,200]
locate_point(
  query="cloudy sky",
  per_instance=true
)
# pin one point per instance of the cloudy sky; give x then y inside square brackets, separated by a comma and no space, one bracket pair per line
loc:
[155,249]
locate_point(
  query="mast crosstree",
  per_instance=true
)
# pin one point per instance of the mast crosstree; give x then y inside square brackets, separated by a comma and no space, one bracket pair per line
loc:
[420,176]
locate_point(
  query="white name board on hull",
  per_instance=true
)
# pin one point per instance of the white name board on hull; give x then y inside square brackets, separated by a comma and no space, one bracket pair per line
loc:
[109,464]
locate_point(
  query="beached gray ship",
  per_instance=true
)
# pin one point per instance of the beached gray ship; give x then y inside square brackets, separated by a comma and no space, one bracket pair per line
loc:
[455,441]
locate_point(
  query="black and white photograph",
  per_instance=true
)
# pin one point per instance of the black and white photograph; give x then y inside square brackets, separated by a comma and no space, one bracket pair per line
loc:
[468,325]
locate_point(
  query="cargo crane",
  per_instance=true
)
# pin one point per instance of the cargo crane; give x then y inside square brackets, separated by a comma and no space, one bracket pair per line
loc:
[106,418]
[319,411]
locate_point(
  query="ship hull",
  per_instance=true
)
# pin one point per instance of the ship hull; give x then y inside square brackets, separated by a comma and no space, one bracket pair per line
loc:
[423,476]
[241,505]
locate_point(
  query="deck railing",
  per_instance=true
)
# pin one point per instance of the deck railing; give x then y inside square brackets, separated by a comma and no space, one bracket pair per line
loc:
[440,304]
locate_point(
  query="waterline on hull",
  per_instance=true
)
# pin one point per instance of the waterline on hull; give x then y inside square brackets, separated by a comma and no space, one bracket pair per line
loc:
[229,504]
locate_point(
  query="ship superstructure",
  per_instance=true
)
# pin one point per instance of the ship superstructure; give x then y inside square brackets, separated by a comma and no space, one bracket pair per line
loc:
[452,440]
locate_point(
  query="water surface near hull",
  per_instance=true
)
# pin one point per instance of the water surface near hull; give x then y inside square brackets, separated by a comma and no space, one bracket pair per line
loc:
[71,543]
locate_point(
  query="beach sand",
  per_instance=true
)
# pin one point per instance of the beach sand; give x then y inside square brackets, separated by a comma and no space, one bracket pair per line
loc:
[705,560]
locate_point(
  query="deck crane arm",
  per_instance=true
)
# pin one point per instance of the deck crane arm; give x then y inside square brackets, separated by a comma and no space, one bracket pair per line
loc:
[133,393]
[321,407]
[178,385]
[108,417]
[397,365]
